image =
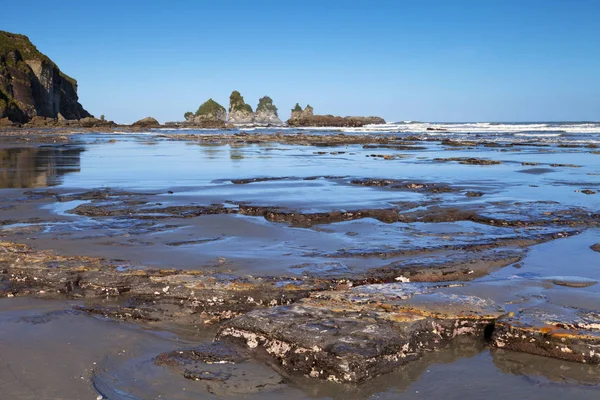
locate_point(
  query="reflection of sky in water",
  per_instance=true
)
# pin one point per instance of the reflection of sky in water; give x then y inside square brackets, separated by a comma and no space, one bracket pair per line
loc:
[144,163]
[569,257]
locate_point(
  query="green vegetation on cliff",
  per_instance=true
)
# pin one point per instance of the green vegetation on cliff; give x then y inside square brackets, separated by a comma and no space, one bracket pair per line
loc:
[31,85]
[210,107]
[266,104]
[297,108]
[11,42]
[237,103]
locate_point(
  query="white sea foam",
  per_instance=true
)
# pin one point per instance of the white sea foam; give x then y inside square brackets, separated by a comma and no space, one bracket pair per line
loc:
[574,133]
[538,134]
[477,127]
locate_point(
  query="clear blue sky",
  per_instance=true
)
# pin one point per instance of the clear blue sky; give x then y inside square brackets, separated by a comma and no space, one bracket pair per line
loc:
[427,60]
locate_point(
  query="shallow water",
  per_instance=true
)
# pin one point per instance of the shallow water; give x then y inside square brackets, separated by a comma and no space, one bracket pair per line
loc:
[148,172]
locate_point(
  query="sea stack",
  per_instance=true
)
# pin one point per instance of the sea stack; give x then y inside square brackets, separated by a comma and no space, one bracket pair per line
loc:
[209,111]
[31,85]
[239,111]
[266,112]
[299,113]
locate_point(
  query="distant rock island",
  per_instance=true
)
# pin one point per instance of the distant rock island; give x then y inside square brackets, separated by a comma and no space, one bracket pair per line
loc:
[239,113]
[307,118]
[210,114]
[32,87]
[266,112]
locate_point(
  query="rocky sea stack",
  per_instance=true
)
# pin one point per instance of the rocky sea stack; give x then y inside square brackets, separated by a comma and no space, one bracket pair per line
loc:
[266,112]
[209,114]
[31,85]
[307,117]
[213,115]
[298,113]
[239,111]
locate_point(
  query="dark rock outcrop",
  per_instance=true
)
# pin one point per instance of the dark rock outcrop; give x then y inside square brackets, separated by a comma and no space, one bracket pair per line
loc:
[239,111]
[32,85]
[307,117]
[147,122]
[266,112]
[87,122]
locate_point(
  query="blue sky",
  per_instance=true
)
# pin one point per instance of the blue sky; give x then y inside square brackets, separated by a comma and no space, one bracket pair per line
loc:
[426,60]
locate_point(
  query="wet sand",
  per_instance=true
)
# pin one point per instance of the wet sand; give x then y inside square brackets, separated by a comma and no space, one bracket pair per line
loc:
[129,234]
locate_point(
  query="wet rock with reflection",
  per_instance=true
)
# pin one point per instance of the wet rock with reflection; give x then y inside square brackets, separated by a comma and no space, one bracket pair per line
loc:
[32,167]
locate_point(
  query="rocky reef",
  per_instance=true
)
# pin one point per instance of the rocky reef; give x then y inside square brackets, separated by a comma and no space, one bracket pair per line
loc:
[239,111]
[31,85]
[307,118]
[266,112]
[411,282]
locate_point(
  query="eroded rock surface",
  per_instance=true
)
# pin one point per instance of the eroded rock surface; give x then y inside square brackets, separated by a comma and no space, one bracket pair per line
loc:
[361,333]
[565,333]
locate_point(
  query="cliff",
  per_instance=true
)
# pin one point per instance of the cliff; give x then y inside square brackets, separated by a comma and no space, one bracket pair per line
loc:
[239,111]
[266,112]
[31,85]
[307,118]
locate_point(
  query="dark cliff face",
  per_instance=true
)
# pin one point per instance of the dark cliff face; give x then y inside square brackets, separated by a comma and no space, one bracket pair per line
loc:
[32,85]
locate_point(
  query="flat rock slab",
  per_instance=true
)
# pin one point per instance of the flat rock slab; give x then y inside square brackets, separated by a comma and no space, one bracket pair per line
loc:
[357,334]
[455,266]
[571,281]
[554,331]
